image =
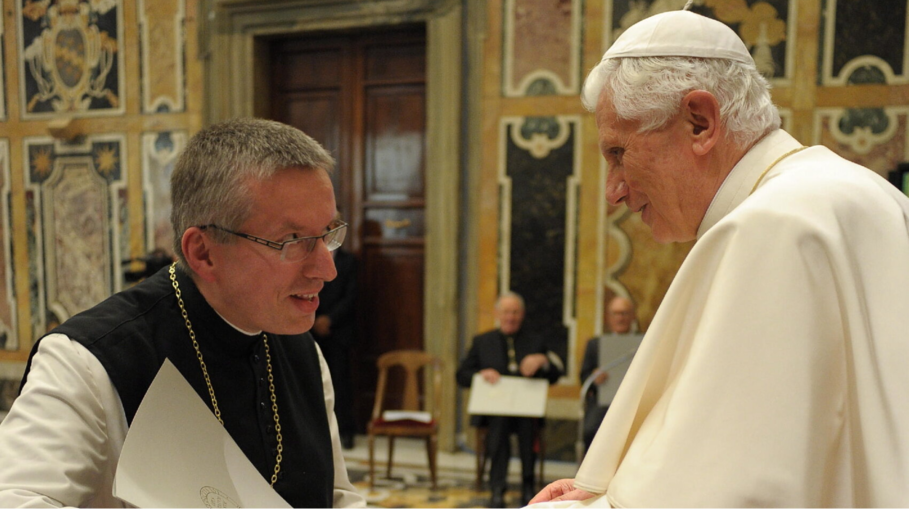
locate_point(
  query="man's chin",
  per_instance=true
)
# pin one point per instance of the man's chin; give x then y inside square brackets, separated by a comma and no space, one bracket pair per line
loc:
[669,237]
[298,327]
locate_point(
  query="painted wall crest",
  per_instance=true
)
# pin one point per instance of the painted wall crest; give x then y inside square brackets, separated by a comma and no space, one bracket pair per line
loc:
[71,59]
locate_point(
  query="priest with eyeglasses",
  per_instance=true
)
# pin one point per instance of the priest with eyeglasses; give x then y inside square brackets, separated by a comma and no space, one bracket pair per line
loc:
[254,223]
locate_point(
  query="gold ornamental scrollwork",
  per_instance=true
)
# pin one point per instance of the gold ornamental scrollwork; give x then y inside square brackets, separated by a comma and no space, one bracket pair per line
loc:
[71,59]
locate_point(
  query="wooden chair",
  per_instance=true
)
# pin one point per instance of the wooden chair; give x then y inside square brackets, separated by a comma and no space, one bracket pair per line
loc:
[539,444]
[413,361]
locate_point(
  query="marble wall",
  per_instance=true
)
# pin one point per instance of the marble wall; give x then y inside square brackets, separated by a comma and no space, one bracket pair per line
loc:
[98,100]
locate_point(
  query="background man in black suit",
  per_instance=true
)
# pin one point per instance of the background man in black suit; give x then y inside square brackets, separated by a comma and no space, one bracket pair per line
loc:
[509,350]
[335,332]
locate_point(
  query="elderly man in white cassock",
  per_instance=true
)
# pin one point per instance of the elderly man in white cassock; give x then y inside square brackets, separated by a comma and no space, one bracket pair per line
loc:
[776,370]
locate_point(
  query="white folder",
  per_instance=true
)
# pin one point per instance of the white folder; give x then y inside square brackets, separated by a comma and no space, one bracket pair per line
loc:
[177,454]
[512,395]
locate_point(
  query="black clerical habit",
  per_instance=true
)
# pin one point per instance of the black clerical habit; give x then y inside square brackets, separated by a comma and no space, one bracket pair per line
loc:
[131,334]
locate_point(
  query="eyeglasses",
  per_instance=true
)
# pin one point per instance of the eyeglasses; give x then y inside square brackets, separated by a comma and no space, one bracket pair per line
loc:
[295,249]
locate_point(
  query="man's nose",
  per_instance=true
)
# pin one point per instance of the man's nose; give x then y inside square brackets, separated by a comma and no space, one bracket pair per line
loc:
[322,263]
[616,189]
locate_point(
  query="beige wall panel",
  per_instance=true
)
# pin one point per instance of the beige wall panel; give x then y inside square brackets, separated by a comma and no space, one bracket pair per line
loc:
[162,44]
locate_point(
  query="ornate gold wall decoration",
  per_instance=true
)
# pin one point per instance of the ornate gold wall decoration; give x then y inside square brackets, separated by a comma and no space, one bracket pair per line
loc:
[877,138]
[71,59]
[765,27]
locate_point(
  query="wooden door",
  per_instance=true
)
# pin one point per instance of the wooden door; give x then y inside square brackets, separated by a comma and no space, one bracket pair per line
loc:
[362,95]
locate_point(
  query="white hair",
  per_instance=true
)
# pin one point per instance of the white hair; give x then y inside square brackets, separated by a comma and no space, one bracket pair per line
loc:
[650,90]
[510,295]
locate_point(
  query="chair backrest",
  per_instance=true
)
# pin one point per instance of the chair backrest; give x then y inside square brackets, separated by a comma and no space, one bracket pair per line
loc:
[412,361]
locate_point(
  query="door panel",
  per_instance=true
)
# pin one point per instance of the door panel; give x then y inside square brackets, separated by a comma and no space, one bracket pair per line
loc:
[362,95]
[396,62]
[395,151]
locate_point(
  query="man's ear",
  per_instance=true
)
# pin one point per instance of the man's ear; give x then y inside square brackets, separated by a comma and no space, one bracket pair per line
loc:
[701,112]
[197,251]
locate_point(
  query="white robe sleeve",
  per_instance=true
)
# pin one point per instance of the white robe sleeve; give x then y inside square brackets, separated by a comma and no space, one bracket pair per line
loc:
[345,494]
[61,439]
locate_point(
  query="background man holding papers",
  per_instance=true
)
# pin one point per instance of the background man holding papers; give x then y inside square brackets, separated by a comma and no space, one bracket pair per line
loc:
[253,217]
[774,371]
[620,320]
[509,350]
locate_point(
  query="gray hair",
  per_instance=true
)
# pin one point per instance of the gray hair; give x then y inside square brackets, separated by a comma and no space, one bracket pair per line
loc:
[210,182]
[650,90]
[513,295]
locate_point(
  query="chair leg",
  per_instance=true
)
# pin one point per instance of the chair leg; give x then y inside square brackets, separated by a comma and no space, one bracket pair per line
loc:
[541,481]
[481,456]
[391,455]
[372,461]
[431,451]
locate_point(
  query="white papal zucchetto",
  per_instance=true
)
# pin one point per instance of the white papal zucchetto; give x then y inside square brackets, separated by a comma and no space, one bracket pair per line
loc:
[680,34]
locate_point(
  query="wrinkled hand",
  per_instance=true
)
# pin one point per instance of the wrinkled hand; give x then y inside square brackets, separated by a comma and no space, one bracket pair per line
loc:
[563,489]
[322,325]
[532,363]
[490,375]
[602,377]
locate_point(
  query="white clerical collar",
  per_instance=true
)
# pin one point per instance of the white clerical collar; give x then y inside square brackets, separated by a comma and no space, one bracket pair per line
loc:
[745,174]
[235,327]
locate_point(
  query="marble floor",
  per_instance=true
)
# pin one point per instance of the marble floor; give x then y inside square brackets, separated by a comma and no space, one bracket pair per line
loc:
[409,485]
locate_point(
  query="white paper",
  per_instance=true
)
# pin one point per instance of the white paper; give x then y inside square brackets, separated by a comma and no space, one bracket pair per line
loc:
[177,454]
[512,395]
[406,415]
[616,353]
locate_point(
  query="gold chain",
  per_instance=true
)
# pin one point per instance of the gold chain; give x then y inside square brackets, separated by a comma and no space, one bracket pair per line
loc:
[211,389]
[774,163]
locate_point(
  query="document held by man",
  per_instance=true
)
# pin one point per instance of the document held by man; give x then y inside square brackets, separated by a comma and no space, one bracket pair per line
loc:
[616,353]
[177,454]
[512,395]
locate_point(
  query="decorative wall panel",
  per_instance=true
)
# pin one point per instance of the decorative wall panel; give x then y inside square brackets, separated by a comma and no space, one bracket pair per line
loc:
[542,47]
[159,153]
[877,138]
[864,42]
[539,175]
[9,339]
[77,220]
[71,58]
[161,23]
[766,26]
